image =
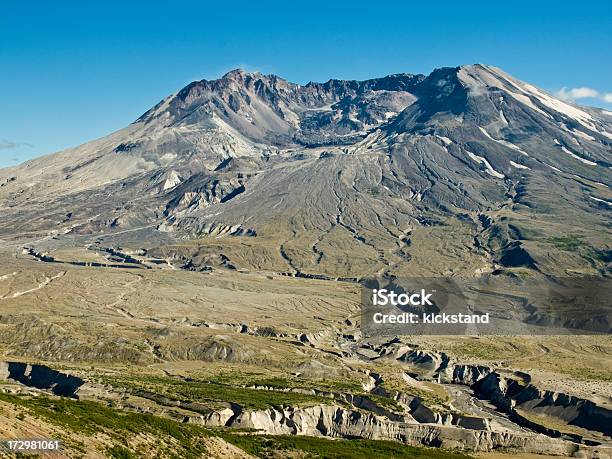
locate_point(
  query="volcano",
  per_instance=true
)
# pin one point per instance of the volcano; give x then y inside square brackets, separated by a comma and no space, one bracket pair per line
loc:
[463,171]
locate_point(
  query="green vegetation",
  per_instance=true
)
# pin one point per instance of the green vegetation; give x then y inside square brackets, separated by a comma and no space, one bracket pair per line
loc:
[569,243]
[177,440]
[214,392]
[582,373]
[90,418]
[223,388]
[435,399]
[331,385]
[385,402]
[119,452]
[313,447]
[475,348]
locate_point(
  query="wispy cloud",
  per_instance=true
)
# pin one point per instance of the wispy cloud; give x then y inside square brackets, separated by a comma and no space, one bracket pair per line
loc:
[574,94]
[11,145]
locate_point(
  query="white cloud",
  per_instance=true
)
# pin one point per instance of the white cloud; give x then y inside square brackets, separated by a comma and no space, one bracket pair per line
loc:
[581,93]
[577,93]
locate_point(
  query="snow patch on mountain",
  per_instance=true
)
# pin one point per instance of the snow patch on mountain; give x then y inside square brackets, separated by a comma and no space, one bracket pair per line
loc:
[518,166]
[583,135]
[601,200]
[489,169]
[503,142]
[585,161]
[446,140]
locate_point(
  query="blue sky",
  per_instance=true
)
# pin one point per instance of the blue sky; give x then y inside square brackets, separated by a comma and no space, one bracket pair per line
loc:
[74,71]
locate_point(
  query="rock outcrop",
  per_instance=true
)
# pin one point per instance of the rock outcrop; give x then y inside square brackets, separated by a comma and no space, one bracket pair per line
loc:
[41,377]
[338,422]
[515,397]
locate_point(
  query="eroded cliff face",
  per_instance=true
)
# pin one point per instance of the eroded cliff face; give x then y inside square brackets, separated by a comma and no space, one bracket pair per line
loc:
[41,377]
[338,422]
[506,389]
[519,399]
[361,416]
[512,393]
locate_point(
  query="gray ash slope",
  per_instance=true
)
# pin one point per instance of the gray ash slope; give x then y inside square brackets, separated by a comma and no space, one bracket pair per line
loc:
[344,177]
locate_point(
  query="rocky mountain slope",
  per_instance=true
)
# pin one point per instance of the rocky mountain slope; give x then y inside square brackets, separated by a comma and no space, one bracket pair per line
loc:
[465,170]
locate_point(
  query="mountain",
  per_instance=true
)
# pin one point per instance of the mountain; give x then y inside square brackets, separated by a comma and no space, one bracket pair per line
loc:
[464,171]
